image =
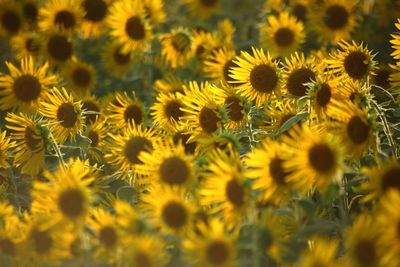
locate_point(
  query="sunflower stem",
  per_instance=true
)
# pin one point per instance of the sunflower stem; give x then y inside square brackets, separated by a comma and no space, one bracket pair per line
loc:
[58,151]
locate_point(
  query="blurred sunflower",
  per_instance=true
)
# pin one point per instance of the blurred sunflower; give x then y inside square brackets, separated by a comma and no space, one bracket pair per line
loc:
[30,142]
[177,47]
[202,8]
[24,88]
[30,12]
[169,84]
[203,44]
[127,219]
[114,60]
[279,112]
[282,35]
[63,113]
[154,11]
[259,76]
[12,235]
[61,16]
[166,111]
[218,65]
[298,71]
[321,253]
[80,77]
[321,92]
[128,25]
[58,48]
[181,138]
[334,20]
[10,18]
[300,9]
[396,42]
[352,61]
[92,109]
[96,12]
[97,133]
[27,44]
[5,144]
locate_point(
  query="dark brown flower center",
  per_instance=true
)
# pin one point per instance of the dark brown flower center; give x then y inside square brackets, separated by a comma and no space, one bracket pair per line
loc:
[276,171]
[356,65]
[94,138]
[300,12]
[391,179]
[235,193]
[96,10]
[32,45]
[108,236]
[134,146]
[67,115]
[217,253]
[91,107]
[208,119]
[33,141]
[357,130]
[336,17]
[7,246]
[323,95]
[297,80]
[27,88]
[235,108]
[174,214]
[134,28]
[284,37]
[82,77]
[59,48]
[365,252]
[321,158]
[71,203]
[11,21]
[181,42]
[209,3]
[65,19]
[30,11]
[182,138]
[263,78]
[173,110]
[42,241]
[226,70]
[381,78]
[174,171]
[121,58]
[133,113]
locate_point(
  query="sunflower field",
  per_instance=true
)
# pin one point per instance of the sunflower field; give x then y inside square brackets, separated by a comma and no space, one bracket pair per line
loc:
[199,133]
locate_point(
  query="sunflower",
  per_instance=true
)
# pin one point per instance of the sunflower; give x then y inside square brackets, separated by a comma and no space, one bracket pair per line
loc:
[12,235]
[202,8]
[11,21]
[96,12]
[127,219]
[321,92]
[97,134]
[168,165]
[334,20]
[394,78]
[210,246]
[352,61]
[125,110]
[166,111]
[225,33]
[300,9]
[128,25]
[266,165]
[168,208]
[67,195]
[154,11]
[298,71]
[27,44]
[24,88]
[124,149]
[58,48]
[29,135]
[5,144]
[354,127]
[30,12]
[177,47]
[282,35]
[236,106]
[92,109]
[258,75]
[202,116]
[204,43]
[381,77]
[63,113]
[80,76]
[315,158]
[279,112]
[169,84]
[218,65]
[321,253]
[182,139]
[396,42]
[61,16]
[223,189]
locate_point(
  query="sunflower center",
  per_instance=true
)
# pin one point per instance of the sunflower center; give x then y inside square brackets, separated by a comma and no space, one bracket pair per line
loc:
[174,214]
[133,113]
[381,78]
[96,10]
[356,65]
[27,88]
[217,253]
[81,77]
[324,94]
[134,27]
[391,179]
[71,202]
[357,130]
[182,138]
[30,11]
[7,246]
[365,253]
[134,146]
[336,17]
[209,3]
[142,260]
[172,110]
[300,12]
[91,107]
[108,236]
[226,70]
[174,171]
[42,241]
[11,22]
[67,115]
[276,171]
[208,120]
[32,45]
[321,158]
[59,48]
[298,79]
[263,78]
[235,108]
[284,37]
[121,58]
[94,138]
[65,19]
[181,42]
[31,139]
[235,192]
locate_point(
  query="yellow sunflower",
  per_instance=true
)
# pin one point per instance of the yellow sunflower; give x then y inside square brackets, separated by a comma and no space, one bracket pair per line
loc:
[24,88]
[167,207]
[321,252]
[92,109]
[96,12]
[29,135]
[124,149]
[117,62]
[218,65]
[63,113]
[301,9]
[97,134]
[11,21]
[396,42]
[279,112]
[177,47]
[315,159]
[58,48]
[128,220]
[61,16]
[169,84]
[321,92]
[166,111]
[259,76]
[30,12]
[128,25]
[154,11]
[203,44]
[334,20]
[282,35]
[266,165]
[80,77]
[298,71]
[27,44]
[202,8]
[12,235]
[352,61]
[223,189]
[5,144]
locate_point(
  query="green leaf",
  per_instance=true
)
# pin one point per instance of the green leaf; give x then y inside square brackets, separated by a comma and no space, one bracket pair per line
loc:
[290,122]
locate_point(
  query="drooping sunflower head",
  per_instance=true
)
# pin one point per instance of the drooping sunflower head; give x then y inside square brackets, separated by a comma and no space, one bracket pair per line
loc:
[96,12]
[81,77]
[166,111]
[58,48]
[27,44]
[177,47]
